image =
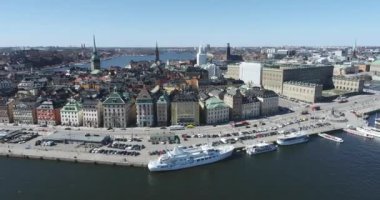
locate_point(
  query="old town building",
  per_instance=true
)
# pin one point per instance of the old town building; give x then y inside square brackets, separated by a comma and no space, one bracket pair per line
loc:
[92,113]
[144,109]
[185,108]
[116,110]
[250,107]
[162,110]
[24,112]
[216,111]
[48,114]
[234,99]
[268,101]
[72,113]
[6,110]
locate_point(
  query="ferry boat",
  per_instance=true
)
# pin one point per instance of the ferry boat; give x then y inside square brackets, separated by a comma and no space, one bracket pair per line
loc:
[260,148]
[293,138]
[369,131]
[330,137]
[355,132]
[181,158]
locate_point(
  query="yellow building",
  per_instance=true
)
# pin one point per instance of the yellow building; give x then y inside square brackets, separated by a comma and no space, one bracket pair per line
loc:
[303,91]
[185,108]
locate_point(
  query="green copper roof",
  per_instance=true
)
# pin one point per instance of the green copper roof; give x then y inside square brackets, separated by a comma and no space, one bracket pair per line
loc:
[214,102]
[72,105]
[376,62]
[114,98]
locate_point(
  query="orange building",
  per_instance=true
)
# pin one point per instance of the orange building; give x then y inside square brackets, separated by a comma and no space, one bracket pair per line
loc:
[48,114]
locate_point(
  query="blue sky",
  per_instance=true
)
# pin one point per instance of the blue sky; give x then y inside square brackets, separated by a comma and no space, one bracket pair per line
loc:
[130,23]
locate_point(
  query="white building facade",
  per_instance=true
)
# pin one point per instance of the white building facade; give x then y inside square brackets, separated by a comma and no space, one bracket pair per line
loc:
[92,113]
[216,111]
[144,109]
[72,114]
[201,56]
[250,73]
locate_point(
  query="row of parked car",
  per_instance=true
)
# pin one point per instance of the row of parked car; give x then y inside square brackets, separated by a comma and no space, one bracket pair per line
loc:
[115,152]
[125,146]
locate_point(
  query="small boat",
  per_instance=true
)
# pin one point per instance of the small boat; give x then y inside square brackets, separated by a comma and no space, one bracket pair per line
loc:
[293,138]
[355,132]
[260,148]
[330,137]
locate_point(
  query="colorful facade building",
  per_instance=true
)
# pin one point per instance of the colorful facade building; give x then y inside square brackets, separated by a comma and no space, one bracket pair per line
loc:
[48,114]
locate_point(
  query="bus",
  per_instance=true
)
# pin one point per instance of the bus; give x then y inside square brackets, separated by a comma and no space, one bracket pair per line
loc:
[176,127]
[239,124]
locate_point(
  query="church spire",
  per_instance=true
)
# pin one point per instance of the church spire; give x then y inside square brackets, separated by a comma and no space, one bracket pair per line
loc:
[94,48]
[157,53]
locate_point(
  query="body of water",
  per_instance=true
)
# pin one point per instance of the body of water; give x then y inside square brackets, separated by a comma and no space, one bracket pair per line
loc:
[319,169]
[122,61]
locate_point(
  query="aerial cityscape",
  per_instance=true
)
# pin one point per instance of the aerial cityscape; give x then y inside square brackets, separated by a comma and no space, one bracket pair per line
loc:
[109,103]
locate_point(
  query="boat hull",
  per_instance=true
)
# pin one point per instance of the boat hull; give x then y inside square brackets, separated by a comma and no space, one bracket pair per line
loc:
[368,132]
[292,142]
[251,152]
[153,167]
[354,132]
[330,137]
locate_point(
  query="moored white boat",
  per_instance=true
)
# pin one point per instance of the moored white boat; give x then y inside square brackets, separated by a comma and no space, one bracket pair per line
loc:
[293,138]
[180,158]
[260,148]
[330,137]
[369,130]
[355,132]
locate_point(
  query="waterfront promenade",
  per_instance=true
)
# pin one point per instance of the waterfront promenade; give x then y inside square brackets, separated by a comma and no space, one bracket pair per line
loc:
[81,154]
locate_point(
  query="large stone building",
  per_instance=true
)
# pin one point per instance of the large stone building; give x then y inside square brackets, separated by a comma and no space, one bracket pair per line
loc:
[185,108]
[274,77]
[6,110]
[233,71]
[268,101]
[234,99]
[72,113]
[48,114]
[144,109]
[308,92]
[375,68]
[249,72]
[116,110]
[216,111]
[345,69]
[350,84]
[250,107]
[162,110]
[92,113]
[24,112]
